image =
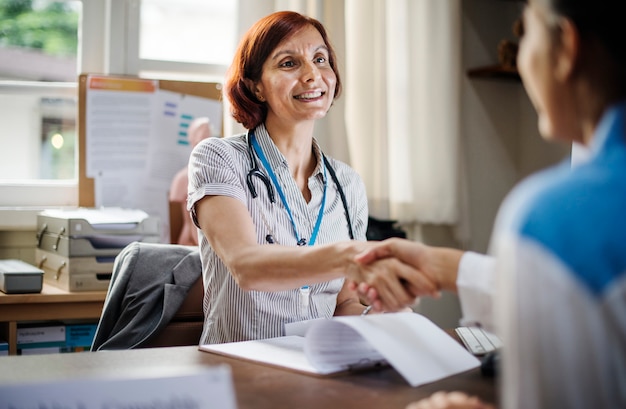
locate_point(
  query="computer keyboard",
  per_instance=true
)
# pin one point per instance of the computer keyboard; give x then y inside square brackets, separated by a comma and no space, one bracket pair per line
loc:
[477,340]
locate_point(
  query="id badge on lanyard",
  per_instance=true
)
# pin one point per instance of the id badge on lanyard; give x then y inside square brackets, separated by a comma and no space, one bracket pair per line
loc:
[305,295]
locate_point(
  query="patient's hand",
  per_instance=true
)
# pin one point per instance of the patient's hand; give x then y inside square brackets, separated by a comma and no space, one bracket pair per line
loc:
[390,285]
[450,400]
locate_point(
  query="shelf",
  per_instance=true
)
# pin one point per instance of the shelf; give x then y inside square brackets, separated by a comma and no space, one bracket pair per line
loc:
[52,304]
[495,72]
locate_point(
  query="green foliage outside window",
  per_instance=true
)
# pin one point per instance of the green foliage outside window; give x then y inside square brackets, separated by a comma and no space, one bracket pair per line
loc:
[51,27]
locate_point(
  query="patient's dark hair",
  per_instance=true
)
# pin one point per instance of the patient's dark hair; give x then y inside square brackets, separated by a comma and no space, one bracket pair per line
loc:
[600,23]
[255,47]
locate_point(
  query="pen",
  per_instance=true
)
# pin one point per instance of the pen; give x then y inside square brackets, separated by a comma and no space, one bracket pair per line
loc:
[366,310]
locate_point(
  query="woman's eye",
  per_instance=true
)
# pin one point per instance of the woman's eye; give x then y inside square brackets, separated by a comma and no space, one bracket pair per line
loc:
[320,60]
[287,64]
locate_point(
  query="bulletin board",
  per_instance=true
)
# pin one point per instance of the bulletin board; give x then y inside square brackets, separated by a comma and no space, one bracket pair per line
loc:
[160,101]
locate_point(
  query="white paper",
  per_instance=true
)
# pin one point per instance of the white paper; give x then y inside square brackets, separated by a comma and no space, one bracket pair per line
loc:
[102,218]
[118,123]
[333,346]
[286,352]
[207,387]
[419,350]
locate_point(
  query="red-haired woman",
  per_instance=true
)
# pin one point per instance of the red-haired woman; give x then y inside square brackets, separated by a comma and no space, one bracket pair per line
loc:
[281,221]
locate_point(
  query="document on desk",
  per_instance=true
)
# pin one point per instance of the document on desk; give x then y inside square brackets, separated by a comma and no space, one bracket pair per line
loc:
[157,387]
[413,345]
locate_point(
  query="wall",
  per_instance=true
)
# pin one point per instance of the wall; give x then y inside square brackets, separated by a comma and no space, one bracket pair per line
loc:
[501,141]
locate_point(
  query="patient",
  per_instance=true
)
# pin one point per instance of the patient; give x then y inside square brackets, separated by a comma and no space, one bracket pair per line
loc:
[199,129]
[559,274]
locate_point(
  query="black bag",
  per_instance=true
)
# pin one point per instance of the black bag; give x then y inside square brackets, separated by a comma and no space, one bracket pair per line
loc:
[383,229]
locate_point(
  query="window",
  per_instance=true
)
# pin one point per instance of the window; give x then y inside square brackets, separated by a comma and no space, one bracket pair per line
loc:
[44,44]
[38,49]
[186,39]
[186,30]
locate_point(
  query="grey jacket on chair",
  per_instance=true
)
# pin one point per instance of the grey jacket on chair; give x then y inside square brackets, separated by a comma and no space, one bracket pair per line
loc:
[149,283]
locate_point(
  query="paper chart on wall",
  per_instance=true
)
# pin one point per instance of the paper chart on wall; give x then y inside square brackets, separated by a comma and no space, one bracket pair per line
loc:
[118,123]
[171,146]
[137,141]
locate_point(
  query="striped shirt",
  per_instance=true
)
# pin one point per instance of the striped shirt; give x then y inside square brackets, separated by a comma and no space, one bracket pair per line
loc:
[560,247]
[220,167]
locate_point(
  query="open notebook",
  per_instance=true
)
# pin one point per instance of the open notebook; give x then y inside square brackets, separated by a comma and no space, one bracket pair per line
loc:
[419,350]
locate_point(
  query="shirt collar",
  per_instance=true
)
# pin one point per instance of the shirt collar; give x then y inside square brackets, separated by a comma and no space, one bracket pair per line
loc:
[276,159]
[611,129]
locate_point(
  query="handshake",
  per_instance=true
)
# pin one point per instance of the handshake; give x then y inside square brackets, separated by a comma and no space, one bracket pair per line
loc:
[389,275]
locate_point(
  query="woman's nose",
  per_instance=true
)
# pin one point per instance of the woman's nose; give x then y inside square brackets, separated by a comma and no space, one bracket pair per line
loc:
[310,72]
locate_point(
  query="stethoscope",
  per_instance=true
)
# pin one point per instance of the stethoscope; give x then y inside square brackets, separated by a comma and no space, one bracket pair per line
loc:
[272,185]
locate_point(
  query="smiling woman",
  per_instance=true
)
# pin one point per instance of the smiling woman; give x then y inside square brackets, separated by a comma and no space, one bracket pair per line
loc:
[270,259]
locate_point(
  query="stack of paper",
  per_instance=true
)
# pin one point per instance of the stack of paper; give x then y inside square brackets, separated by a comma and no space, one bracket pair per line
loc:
[419,350]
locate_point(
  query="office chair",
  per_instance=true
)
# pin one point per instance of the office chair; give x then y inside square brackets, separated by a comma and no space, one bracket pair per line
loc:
[154,298]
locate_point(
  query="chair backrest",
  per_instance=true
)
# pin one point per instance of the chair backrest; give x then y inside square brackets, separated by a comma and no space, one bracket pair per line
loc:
[185,328]
[176,221]
[154,298]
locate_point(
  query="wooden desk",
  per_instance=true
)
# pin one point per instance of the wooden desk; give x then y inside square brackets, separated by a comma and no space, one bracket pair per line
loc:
[49,305]
[257,386]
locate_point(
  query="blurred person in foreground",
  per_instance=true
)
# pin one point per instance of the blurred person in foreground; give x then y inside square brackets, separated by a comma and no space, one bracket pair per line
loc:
[557,276]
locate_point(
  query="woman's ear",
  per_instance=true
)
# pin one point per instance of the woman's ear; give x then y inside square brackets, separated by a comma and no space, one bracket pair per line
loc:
[254,89]
[568,52]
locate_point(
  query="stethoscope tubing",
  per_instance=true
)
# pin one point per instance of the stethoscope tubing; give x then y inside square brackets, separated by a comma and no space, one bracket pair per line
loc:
[255,171]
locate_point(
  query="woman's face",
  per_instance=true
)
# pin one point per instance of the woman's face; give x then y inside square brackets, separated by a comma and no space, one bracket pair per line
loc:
[538,64]
[298,83]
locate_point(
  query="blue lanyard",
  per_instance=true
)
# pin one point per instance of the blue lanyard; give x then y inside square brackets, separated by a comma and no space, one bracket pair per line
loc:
[320,215]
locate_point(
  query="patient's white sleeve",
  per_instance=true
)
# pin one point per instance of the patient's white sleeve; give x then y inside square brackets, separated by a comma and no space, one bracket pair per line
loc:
[476,288]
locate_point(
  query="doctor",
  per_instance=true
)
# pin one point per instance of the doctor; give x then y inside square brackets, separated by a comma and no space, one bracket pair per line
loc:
[281,221]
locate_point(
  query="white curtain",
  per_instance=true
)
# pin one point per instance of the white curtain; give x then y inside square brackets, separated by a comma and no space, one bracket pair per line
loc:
[397,122]
[403,81]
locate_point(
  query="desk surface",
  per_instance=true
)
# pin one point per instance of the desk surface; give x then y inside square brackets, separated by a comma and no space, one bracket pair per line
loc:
[51,294]
[257,386]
